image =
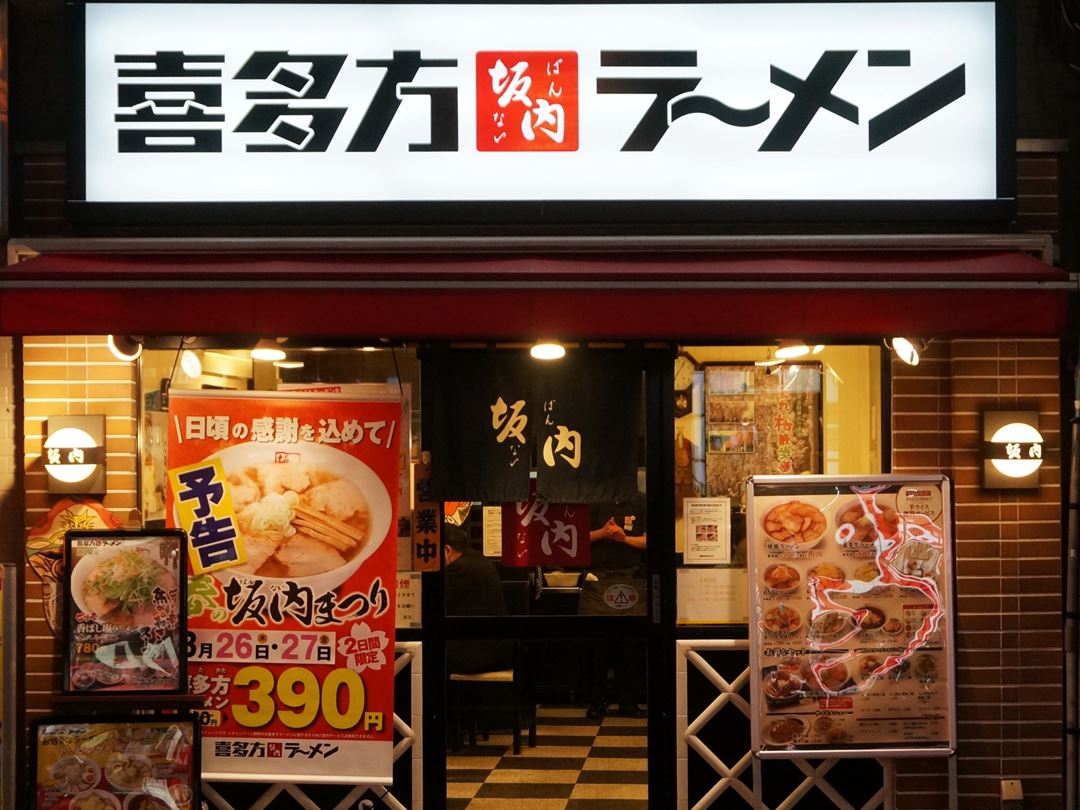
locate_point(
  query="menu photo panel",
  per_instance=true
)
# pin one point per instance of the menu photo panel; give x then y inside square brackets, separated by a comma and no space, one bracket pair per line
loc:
[125,612]
[851,618]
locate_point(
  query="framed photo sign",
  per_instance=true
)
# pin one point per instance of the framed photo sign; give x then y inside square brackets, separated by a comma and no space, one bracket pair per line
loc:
[124,763]
[125,613]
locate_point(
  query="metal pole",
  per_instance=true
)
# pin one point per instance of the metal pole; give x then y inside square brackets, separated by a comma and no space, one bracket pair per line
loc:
[9,731]
[1072,606]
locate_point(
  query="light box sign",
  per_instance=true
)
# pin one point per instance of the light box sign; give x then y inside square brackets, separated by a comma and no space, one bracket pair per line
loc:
[750,109]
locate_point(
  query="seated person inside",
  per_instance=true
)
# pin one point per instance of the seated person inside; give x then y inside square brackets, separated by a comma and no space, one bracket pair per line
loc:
[473,588]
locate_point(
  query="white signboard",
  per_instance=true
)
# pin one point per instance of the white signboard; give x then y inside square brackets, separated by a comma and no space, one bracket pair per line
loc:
[711,595]
[707,523]
[851,616]
[381,103]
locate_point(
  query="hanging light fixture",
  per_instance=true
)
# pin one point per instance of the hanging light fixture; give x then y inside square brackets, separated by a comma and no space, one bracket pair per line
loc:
[907,350]
[789,349]
[125,348]
[547,349]
[267,349]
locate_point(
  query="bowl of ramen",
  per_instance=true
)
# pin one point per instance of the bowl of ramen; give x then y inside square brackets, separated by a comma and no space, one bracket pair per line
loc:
[783,730]
[826,574]
[893,626]
[925,667]
[794,525]
[94,800]
[74,774]
[867,665]
[145,801]
[867,572]
[858,524]
[781,620]
[829,625]
[870,618]
[782,686]
[120,584]
[781,578]
[833,676]
[128,772]
[307,513]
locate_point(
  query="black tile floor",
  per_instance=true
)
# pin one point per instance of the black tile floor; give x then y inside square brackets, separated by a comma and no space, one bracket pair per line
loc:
[577,764]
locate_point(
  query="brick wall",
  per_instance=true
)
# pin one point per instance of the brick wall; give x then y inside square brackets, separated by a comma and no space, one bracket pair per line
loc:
[71,375]
[1008,567]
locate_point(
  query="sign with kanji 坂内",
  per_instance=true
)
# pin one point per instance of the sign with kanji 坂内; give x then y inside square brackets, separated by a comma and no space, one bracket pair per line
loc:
[290,504]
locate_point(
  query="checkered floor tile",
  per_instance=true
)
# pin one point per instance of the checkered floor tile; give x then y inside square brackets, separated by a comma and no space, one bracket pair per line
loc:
[577,764]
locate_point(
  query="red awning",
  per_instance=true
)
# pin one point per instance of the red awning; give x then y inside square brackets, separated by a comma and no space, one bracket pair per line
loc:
[674,296]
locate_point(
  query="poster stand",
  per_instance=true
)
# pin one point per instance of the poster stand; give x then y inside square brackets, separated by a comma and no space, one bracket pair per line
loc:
[851,625]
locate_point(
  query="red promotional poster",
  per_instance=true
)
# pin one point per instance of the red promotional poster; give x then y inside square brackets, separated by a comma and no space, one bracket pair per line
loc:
[527,101]
[289,501]
[537,532]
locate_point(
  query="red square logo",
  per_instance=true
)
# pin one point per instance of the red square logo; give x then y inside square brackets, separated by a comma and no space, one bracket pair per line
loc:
[527,101]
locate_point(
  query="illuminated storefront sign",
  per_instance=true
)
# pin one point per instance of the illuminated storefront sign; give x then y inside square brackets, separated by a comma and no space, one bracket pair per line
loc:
[379,103]
[1012,449]
[74,454]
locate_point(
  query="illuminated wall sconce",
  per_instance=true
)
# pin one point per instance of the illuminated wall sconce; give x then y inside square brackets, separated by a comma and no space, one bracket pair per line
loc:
[74,454]
[1012,450]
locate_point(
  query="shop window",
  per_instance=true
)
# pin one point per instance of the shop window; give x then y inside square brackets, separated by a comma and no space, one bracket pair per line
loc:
[740,411]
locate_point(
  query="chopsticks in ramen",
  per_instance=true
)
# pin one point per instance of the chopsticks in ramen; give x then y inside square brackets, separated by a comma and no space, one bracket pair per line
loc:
[329,530]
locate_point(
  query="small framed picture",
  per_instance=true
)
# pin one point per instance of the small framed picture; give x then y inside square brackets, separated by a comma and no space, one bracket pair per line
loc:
[125,615]
[123,763]
[723,379]
[732,438]
[731,409]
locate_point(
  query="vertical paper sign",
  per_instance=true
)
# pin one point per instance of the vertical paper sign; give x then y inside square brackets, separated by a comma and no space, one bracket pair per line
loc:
[427,515]
[291,640]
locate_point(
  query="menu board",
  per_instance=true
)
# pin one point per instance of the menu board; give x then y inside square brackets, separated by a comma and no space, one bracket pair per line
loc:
[851,626]
[124,618]
[128,764]
[290,505]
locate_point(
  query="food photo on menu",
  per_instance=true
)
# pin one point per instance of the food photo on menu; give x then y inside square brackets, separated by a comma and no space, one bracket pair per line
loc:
[145,764]
[124,620]
[851,631]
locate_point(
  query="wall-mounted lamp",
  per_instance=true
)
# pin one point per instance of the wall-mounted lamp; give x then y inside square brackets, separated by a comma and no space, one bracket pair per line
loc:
[267,349]
[1012,449]
[74,454]
[125,348]
[907,350]
[190,363]
[547,349]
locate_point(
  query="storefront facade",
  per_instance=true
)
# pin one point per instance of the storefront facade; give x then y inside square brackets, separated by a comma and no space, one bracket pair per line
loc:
[994,305]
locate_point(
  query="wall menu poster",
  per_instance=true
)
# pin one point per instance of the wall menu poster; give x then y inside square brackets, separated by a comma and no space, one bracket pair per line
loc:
[124,621]
[148,763]
[289,500]
[851,616]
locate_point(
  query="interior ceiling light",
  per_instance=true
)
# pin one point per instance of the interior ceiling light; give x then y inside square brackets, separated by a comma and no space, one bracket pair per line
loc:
[547,349]
[906,349]
[818,349]
[789,349]
[267,349]
[190,363]
[289,363]
[125,347]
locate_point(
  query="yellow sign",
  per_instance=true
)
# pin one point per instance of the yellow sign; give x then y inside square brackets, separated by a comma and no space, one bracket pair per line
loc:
[204,509]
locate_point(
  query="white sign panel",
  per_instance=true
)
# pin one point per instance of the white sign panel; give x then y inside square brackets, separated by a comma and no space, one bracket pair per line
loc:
[707,522]
[379,103]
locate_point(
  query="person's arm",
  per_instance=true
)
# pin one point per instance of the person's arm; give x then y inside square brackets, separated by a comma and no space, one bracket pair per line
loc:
[609,531]
[636,541]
